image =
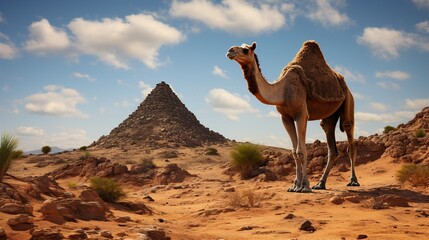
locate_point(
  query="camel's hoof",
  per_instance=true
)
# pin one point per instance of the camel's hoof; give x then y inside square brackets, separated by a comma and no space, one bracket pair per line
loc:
[319,186]
[291,190]
[305,190]
[353,184]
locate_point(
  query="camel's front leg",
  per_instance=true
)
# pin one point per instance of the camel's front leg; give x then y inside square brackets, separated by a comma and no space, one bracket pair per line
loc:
[289,125]
[301,123]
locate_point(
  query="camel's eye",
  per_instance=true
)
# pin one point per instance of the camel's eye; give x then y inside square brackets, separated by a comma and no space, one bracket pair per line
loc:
[245,50]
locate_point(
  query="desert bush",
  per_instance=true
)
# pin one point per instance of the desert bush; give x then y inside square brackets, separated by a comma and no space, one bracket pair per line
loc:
[8,153]
[72,185]
[388,128]
[147,164]
[247,157]
[420,133]
[107,188]
[85,155]
[46,149]
[245,199]
[83,148]
[211,151]
[415,174]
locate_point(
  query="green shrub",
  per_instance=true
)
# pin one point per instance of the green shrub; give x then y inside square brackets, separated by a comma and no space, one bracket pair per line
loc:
[46,149]
[108,189]
[85,155]
[146,164]
[415,174]
[420,133]
[211,151]
[247,157]
[83,148]
[387,129]
[72,185]
[8,153]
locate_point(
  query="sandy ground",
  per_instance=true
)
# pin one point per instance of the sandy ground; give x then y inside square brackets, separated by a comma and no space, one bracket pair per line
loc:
[202,207]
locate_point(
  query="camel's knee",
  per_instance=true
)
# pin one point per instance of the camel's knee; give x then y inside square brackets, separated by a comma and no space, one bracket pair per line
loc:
[324,126]
[347,125]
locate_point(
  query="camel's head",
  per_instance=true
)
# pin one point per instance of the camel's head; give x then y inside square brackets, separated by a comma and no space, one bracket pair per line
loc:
[242,54]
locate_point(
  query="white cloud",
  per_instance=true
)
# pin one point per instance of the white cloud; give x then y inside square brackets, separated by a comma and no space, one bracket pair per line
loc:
[29,131]
[235,16]
[7,48]
[350,76]
[273,114]
[388,85]
[378,106]
[231,105]
[397,75]
[385,118]
[417,104]
[219,72]
[45,39]
[423,26]
[115,41]
[57,101]
[422,3]
[122,104]
[84,76]
[386,42]
[145,89]
[327,14]
[358,96]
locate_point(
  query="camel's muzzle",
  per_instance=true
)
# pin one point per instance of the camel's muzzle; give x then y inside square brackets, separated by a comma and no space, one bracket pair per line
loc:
[231,54]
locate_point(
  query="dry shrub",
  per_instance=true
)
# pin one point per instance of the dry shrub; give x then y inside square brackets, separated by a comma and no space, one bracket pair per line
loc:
[245,199]
[247,157]
[108,189]
[415,174]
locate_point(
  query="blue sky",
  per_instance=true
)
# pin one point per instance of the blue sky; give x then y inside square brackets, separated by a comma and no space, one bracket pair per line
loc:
[70,71]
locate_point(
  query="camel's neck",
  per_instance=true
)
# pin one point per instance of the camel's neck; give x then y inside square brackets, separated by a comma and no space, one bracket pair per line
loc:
[268,93]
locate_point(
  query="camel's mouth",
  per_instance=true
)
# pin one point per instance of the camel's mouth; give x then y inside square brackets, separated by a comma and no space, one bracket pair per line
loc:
[230,55]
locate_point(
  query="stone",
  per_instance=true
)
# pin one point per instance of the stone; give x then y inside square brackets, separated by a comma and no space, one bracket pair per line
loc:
[106,234]
[3,235]
[307,226]
[50,212]
[289,216]
[362,236]
[122,219]
[20,219]
[336,200]
[45,234]
[90,195]
[14,208]
[155,234]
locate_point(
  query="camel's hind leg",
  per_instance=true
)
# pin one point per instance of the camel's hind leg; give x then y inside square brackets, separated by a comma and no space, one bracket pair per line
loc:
[347,123]
[328,125]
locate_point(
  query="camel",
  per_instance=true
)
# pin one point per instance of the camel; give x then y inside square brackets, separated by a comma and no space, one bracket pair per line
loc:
[307,89]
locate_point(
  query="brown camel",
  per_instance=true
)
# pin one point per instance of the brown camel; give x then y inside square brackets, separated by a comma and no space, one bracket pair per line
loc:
[307,89]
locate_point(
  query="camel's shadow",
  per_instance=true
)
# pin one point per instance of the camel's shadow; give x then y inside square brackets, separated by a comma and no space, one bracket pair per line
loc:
[412,196]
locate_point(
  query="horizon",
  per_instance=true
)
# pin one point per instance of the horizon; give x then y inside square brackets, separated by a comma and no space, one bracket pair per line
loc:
[71,72]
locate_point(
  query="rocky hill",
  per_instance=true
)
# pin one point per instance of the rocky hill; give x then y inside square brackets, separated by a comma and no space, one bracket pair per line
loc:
[161,121]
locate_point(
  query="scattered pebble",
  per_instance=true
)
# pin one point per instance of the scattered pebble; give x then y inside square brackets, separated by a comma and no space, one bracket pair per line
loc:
[307,226]
[362,236]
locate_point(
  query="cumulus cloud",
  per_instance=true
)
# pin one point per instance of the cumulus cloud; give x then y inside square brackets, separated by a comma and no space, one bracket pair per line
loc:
[68,138]
[219,72]
[327,14]
[417,104]
[422,3]
[378,106]
[84,76]
[45,39]
[235,16]
[7,48]
[228,104]
[388,85]
[29,131]
[56,101]
[397,75]
[384,117]
[423,26]
[145,88]
[386,42]
[273,114]
[350,76]
[114,41]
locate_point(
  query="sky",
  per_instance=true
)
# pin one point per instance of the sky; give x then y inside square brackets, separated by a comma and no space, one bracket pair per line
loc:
[71,71]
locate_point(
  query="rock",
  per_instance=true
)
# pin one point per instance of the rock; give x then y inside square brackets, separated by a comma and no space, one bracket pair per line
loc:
[106,234]
[20,219]
[172,174]
[336,200]
[246,228]
[45,234]
[155,234]
[354,198]
[289,216]
[362,236]
[50,212]
[122,219]
[78,235]
[89,195]
[14,208]
[394,201]
[3,235]
[307,226]
[229,189]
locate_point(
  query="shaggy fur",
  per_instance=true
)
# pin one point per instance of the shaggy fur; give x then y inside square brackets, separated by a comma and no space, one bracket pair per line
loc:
[323,83]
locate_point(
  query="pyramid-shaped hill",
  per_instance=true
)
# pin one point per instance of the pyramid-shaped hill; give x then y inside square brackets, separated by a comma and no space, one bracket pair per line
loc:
[161,121]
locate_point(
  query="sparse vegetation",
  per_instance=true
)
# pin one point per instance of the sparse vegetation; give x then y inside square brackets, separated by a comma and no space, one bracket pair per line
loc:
[420,133]
[245,199]
[415,174]
[388,128]
[85,155]
[107,188]
[247,157]
[146,164]
[72,185]
[8,153]
[46,149]
[83,148]
[211,151]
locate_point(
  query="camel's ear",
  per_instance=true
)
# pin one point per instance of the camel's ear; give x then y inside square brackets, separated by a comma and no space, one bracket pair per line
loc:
[253,47]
